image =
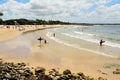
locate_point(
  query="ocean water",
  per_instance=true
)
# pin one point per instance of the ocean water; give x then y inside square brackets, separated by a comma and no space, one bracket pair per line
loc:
[88,37]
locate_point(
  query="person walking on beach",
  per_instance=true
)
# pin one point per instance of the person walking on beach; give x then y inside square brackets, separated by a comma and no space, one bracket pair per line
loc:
[101,41]
[45,41]
[40,39]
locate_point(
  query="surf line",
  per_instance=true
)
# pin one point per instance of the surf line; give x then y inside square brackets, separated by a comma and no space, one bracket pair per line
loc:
[49,35]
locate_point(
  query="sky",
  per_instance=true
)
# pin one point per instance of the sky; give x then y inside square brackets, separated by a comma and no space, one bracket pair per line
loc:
[79,11]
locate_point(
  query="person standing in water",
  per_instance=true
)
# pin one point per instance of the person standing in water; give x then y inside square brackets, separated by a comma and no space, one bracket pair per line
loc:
[101,41]
[54,34]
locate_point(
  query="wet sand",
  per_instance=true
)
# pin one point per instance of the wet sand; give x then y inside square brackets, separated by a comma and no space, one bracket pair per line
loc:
[56,55]
[53,55]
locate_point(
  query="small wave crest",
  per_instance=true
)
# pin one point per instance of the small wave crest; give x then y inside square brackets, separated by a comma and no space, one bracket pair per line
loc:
[86,38]
[82,33]
[91,39]
[49,35]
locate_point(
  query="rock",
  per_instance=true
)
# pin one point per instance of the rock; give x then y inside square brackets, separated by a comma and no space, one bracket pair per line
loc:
[14,78]
[20,71]
[11,71]
[9,67]
[116,72]
[66,72]
[26,74]
[32,78]
[27,69]
[7,75]
[23,64]
[81,74]
[40,70]
[5,68]
[64,77]
[22,78]
[54,73]
[117,69]
[100,78]
[46,77]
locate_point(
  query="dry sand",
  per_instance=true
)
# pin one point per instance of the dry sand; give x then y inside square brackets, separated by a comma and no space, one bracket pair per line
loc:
[12,32]
[56,55]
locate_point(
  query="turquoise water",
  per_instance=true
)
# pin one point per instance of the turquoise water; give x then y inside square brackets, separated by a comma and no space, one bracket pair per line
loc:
[88,37]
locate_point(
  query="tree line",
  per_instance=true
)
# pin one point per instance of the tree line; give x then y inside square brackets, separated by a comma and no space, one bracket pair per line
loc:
[30,22]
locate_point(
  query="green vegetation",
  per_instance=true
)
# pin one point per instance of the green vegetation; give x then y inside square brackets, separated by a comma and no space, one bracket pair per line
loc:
[36,22]
[1,21]
[1,14]
[23,21]
[31,22]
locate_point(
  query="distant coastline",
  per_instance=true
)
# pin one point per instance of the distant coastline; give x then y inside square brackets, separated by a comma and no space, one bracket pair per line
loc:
[22,21]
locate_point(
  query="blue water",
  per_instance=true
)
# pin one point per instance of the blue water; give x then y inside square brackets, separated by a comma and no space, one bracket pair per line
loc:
[88,37]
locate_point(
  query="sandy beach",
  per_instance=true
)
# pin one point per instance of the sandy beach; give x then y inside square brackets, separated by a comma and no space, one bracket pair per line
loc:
[56,55]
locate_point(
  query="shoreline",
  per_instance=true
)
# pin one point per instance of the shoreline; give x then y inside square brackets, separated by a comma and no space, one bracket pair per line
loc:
[69,38]
[70,58]
[12,32]
[85,49]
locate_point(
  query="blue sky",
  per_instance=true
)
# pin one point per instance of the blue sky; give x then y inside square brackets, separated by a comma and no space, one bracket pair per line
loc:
[113,2]
[23,1]
[2,1]
[83,11]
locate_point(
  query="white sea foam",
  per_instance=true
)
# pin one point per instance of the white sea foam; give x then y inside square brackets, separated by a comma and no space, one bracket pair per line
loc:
[108,43]
[82,33]
[49,35]
[86,38]
[89,38]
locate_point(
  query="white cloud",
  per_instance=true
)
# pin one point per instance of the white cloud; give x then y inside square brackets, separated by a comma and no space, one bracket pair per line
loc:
[103,2]
[106,13]
[67,10]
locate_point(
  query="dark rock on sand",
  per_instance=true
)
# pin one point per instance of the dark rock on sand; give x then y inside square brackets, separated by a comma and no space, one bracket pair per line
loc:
[100,78]
[19,71]
[39,70]
[117,71]
[66,72]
